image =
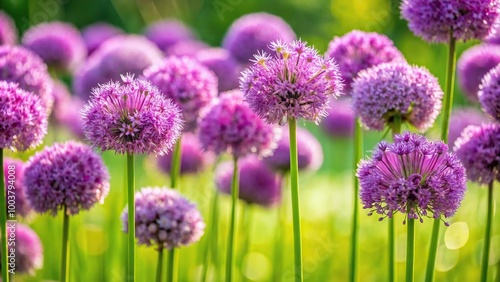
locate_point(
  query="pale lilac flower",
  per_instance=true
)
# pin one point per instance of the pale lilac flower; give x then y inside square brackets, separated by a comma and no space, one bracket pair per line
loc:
[222,63]
[96,34]
[14,175]
[28,249]
[463,117]
[340,119]
[166,33]
[8,31]
[489,93]
[187,48]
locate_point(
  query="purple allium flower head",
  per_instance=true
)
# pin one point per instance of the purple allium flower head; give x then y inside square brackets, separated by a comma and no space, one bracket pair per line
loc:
[186,48]
[473,64]
[28,250]
[229,125]
[165,219]
[23,118]
[253,33]
[222,63]
[167,33]
[14,174]
[258,183]
[188,83]
[388,90]
[25,68]
[96,34]
[463,117]
[309,152]
[59,44]
[433,20]
[489,93]
[119,55]
[340,119]
[193,158]
[67,109]
[132,117]
[359,50]
[8,31]
[68,174]
[295,83]
[478,149]
[413,176]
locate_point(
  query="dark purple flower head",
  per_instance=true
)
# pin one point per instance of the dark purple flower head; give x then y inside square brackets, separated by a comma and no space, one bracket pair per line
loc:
[23,118]
[119,55]
[28,249]
[225,67]
[68,174]
[382,93]
[253,33]
[478,149]
[434,19]
[229,125]
[131,118]
[258,183]
[25,68]
[8,31]
[186,48]
[359,50]
[473,64]
[414,176]
[59,44]
[188,83]
[489,93]
[164,219]
[96,34]
[14,175]
[340,119]
[295,83]
[193,158]
[309,152]
[463,117]
[167,33]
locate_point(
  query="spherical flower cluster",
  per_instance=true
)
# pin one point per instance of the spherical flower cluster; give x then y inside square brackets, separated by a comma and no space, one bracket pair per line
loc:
[8,31]
[473,64]
[433,20]
[59,44]
[25,68]
[229,125]
[340,119]
[489,93]
[132,118]
[389,91]
[478,150]
[413,176]
[116,56]
[253,33]
[258,184]
[96,34]
[164,219]
[359,50]
[225,67]
[295,83]
[187,48]
[167,33]
[463,117]
[66,175]
[23,118]
[28,250]
[309,152]
[14,175]
[188,83]
[193,158]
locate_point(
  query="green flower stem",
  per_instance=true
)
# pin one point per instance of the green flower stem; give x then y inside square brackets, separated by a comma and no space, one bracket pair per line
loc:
[131,216]
[294,180]
[3,220]
[232,227]
[410,246]
[212,236]
[172,265]
[175,168]
[159,266]
[65,247]
[358,152]
[280,232]
[487,235]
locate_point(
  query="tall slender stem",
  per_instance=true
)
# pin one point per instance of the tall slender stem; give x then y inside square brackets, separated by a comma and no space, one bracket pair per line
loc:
[131,216]
[410,246]
[280,232]
[3,221]
[358,152]
[172,265]
[232,227]
[212,236]
[294,180]
[159,266]
[487,235]
[175,168]
[65,247]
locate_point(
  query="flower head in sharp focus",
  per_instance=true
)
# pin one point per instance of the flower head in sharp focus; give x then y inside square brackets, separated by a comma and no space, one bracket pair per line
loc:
[383,93]
[164,219]
[15,168]
[413,176]
[466,19]
[132,117]
[295,83]
[358,50]
[478,149]
[8,31]
[166,33]
[222,63]
[229,125]
[463,117]
[340,119]
[258,183]
[28,250]
[489,93]
[23,118]
[67,175]
[96,34]
[188,83]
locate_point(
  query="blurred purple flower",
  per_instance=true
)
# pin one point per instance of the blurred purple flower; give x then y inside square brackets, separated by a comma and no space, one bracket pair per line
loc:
[461,118]
[28,250]
[166,33]
[489,93]
[187,48]
[96,34]
[8,31]
[225,67]
[15,168]
[340,119]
